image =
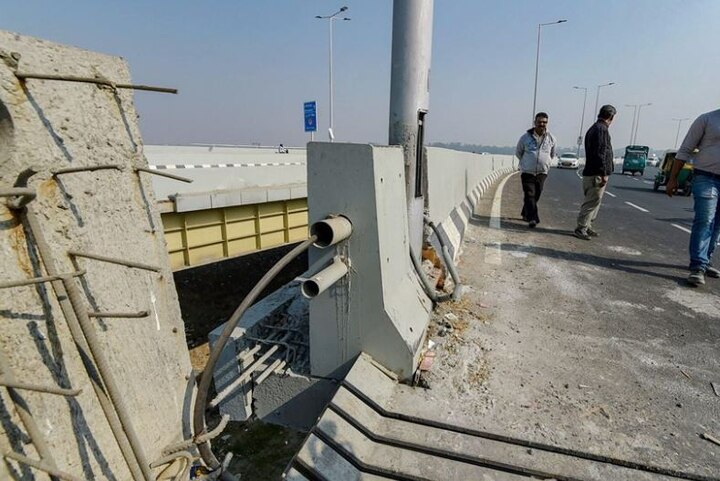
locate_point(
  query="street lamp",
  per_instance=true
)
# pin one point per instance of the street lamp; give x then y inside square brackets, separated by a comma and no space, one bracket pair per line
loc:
[679,121]
[632,126]
[537,62]
[331,20]
[597,96]
[637,123]
[582,119]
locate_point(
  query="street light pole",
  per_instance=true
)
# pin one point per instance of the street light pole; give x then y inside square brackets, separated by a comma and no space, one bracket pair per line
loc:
[331,21]
[632,127]
[677,135]
[582,119]
[537,62]
[637,123]
[597,96]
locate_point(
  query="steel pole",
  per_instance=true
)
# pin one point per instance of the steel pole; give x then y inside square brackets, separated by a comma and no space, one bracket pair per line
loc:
[582,120]
[677,135]
[537,68]
[331,132]
[409,100]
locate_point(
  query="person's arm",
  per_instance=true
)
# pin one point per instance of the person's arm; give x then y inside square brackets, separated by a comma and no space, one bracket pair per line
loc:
[672,185]
[692,139]
[520,149]
[552,148]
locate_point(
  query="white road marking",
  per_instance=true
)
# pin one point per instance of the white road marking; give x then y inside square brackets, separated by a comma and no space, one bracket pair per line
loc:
[636,206]
[610,194]
[649,182]
[684,229]
[493,252]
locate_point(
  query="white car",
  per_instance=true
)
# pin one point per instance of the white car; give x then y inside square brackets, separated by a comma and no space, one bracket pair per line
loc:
[568,160]
[652,160]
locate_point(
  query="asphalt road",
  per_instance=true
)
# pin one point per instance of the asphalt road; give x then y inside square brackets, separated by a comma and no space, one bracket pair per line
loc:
[594,345]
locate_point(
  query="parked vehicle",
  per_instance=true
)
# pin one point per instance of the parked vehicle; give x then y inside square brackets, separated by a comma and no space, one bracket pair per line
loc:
[568,160]
[685,177]
[635,159]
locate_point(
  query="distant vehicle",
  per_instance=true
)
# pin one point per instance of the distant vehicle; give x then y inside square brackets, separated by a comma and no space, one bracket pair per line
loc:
[652,160]
[635,159]
[685,176]
[568,161]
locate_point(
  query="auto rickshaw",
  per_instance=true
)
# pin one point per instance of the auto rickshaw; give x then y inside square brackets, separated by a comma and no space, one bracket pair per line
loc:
[685,176]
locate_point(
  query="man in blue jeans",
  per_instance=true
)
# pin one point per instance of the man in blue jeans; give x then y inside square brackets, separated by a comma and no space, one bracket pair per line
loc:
[703,136]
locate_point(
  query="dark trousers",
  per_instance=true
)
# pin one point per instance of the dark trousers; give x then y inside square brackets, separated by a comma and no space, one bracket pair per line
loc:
[532,185]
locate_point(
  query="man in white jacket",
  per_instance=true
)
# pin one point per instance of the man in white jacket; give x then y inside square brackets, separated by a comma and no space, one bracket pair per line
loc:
[535,150]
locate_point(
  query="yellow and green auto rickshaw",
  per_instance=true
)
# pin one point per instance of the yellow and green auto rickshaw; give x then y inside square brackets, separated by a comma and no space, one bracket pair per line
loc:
[684,177]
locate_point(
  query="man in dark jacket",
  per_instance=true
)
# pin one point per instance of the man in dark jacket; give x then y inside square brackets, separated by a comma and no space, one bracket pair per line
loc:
[598,167]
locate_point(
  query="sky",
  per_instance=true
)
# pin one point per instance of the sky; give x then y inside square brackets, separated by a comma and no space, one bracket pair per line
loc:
[244,68]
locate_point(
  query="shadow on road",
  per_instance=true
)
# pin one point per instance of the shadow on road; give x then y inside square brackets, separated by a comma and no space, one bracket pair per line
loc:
[518,225]
[625,265]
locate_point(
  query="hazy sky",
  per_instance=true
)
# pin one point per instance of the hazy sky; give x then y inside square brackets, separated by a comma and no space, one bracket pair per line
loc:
[244,68]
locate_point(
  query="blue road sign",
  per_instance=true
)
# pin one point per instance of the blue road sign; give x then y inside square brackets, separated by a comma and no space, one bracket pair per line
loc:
[310,116]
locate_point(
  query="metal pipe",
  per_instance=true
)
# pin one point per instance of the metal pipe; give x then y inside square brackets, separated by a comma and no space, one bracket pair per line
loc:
[39,280]
[41,466]
[427,287]
[247,353]
[242,378]
[26,386]
[457,290]
[36,436]
[91,80]
[88,168]
[321,281]
[206,378]
[188,443]
[127,315]
[113,260]
[330,231]
[92,357]
[163,174]
[17,191]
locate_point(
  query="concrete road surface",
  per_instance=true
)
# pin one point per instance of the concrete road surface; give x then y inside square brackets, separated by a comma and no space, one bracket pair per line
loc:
[592,345]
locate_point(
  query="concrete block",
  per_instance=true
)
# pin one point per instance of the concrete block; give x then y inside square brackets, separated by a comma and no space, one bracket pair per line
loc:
[226,198]
[187,203]
[254,196]
[278,193]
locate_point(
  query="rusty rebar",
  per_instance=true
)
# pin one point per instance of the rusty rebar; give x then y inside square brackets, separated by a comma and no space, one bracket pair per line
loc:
[126,315]
[39,280]
[19,196]
[91,80]
[112,260]
[163,174]
[26,386]
[87,168]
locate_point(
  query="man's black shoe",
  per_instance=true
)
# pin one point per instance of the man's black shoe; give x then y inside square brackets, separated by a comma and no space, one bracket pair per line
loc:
[581,234]
[533,224]
[592,233]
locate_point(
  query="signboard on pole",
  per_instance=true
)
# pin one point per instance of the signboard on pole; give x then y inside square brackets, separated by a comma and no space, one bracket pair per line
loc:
[310,109]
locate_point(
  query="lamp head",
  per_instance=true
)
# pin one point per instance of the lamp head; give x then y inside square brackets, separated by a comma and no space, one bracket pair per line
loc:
[342,9]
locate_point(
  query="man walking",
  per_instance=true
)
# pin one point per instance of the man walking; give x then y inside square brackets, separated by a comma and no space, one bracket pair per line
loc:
[535,150]
[704,135]
[598,167]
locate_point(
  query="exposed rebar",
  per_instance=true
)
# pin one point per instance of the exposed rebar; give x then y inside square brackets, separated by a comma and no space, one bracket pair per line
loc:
[87,168]
[112,260]
[27,386]
[91,80]
[91,354]
[207,375]
[39,280]
[42,466]
[126,315]
[164,174]
[244,377]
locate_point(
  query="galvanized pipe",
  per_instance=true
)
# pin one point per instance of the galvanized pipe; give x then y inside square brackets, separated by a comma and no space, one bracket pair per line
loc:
[164,174]
[41,466]
[113,260]
[26,417]
[324,279]
[91,80]
[84,336]
[26,386]
[274,367]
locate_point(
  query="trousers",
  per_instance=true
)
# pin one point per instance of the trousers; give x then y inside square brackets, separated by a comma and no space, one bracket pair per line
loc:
[532,185]
[591,205]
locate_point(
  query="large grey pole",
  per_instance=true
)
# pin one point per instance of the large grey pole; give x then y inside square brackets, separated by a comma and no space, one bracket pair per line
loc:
[409,99]
[537,66]
[331,134]
[677,135]
[637,122]
[582,120]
